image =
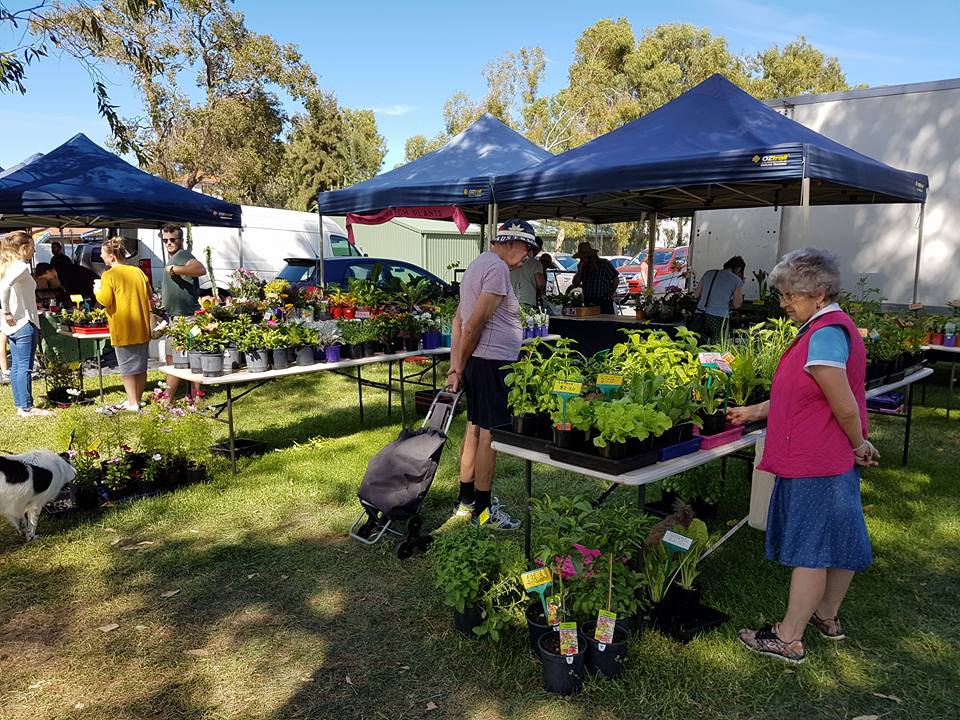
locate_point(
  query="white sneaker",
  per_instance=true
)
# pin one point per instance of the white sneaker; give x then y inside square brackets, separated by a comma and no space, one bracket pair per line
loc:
[34,412]
[465,509]
[500,520]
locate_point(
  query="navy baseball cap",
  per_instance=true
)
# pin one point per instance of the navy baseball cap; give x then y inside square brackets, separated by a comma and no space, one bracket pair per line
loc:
[518,230]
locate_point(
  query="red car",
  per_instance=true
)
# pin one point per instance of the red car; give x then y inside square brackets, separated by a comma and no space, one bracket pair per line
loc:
[669,266]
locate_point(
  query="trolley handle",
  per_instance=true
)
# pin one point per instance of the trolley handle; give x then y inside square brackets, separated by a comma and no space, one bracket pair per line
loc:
[449,400]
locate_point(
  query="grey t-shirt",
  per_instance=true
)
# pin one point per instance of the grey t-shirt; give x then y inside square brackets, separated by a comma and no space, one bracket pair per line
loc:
[524,281]
[718,301]
[502,336]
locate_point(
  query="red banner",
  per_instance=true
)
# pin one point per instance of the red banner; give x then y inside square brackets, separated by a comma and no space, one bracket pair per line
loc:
[441,212]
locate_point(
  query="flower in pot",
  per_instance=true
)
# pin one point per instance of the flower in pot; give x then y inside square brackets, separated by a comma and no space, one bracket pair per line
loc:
[351,333]
[210,343]
[60,376]
[275,337]
[712,403]
[328,338]
[245,285]
[408,326]
[89,477]
[117,475]
[479,579]
[302,339]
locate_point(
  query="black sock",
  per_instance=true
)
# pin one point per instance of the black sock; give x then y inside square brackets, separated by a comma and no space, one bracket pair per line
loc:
[467,492]
[482,503]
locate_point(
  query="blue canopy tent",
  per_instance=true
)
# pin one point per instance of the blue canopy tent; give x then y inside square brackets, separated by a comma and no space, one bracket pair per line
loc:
[460,173]
[82,185]
[713,147]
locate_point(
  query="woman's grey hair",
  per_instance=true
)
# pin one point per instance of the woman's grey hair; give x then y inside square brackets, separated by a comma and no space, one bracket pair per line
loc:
[808,271]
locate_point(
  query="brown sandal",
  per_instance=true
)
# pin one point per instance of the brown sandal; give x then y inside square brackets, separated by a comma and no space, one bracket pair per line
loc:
[829,628]
[766,642]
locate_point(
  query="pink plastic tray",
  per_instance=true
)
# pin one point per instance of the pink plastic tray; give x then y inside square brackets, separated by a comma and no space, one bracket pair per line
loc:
[727,436]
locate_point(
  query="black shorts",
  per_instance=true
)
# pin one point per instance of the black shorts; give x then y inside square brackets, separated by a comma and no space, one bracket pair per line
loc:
[486,392]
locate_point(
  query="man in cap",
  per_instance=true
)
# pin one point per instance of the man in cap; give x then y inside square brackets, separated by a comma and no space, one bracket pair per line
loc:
[487,336]
[598,278]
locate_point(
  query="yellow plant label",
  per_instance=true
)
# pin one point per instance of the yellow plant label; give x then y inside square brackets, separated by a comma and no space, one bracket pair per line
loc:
[76,299]
[567,387]
[484,517]
[535,578]
[94,446]
[616,380]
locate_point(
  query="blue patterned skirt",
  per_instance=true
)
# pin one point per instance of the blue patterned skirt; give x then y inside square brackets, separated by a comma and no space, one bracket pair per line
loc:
[817,522]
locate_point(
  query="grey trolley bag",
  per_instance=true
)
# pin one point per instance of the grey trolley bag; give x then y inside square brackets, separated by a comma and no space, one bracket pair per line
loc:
[398,478]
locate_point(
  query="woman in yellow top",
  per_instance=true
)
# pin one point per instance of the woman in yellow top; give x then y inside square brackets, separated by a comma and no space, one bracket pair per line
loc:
[125,292]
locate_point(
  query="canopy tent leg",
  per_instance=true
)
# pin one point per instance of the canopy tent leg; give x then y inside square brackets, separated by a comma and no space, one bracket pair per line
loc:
[323,279]
[651,250]
[240,232]
[693,235]
[804,209]
[916,268]
[493,225]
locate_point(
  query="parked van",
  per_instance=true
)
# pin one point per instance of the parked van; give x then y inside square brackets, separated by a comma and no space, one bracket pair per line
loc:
[268,237]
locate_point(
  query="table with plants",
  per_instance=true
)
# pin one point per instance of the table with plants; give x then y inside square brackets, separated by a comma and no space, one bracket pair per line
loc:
[85,324]
[264,331]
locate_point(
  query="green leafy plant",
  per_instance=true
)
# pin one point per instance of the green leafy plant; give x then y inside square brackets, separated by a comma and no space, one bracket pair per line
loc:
[618,420]
[472,568]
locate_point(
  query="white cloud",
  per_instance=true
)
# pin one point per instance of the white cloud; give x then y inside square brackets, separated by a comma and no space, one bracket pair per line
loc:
[398,109]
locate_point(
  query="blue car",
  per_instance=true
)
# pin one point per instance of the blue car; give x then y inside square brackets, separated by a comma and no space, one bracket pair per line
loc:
[302,272]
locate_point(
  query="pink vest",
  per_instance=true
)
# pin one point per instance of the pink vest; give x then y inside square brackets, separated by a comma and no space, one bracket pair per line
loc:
[803,438]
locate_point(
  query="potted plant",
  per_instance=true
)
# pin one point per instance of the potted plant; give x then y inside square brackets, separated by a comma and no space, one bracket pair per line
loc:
[408,325]
[61,379]
[117,475]
[253,345]
[351,338]
[210,345]
[302,340]
[232,332]
[328,338]
[369,338]
[618,421]
[275,338]
[88,479]
[523,383]
[712,403]
[478,577]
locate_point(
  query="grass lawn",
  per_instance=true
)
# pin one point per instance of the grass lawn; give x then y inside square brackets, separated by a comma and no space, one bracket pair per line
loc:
[279,615]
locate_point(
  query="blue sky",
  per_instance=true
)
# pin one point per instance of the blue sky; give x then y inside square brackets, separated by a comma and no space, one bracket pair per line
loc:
[405,59]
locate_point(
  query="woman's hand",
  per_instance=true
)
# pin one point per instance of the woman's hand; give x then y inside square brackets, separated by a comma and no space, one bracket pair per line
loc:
[743,415]
[11,320]
[866,455]
[454,381]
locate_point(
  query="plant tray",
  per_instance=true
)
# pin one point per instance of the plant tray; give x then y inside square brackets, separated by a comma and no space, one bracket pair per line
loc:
[875,383]
[727,436]
[684,448]
[602,464]
[242,447]
[685,629]
[81,330]
[888,401]
[582,311]
[896,377]
[506,435]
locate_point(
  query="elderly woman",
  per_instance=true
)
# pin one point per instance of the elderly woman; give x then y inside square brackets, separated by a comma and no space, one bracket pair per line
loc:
[815,445]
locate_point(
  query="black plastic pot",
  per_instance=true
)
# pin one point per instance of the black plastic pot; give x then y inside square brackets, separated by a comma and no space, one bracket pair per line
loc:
[562,674]
[257,361]
[351,352]
[572,440]
[536,626]
[411,343]
[713,424]
[614,450]
[211,364]
[466,621]
[281,358]
[195,473]
[86,498]
[373,348]
[60,396]
[526,424]
[305,355]
[685,432]
[605,659]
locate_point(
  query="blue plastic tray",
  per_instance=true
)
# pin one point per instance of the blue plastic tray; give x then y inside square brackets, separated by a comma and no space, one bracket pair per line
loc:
[685,448]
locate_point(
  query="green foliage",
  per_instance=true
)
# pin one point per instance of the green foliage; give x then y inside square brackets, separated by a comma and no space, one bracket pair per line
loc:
[712,389]
[300,335]
[618,420]
[471,567]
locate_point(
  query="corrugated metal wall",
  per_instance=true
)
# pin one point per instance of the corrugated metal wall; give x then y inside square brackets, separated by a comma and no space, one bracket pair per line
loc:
[443,250]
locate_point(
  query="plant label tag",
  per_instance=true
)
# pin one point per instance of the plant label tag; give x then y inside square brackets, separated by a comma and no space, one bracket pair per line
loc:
[568,639]
[728,357]
[162,325]
[864,333]
[606,622]
[611,380]
[709,359]
[94,446]
[553,610]
[484,517]
[76,299]
[874,334]
[722,365]
[533,580]
[676,541]
[195,331]
[362,315]
[566,387]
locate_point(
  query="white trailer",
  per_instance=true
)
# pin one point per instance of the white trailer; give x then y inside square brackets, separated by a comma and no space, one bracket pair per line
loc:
[912,127]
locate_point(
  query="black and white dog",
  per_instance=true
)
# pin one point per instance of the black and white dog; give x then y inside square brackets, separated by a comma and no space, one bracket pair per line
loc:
[27,483]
